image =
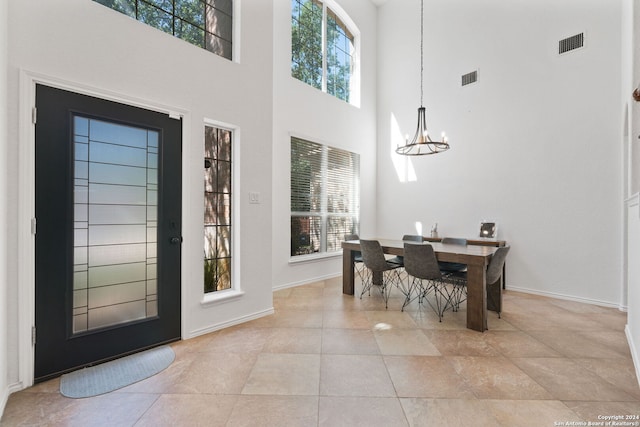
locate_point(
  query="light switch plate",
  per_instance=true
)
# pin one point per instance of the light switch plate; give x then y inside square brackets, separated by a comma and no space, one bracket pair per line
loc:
[254,197]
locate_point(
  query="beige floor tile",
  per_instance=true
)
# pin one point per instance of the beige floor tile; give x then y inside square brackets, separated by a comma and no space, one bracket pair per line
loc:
[495,323]
[187,348]
[284,374]
[296,319]
[461,343]
[283,293]
[448,412]
[339,302]
[619,372]
[577,344]
[518,344]
[497,378]
[308,292]
[237,340]
[27,408]
[220,373]
[578,307]
[349,341]
[354,375]
[346,320]
[612,340]
[366,302]
[426,318]
[595,411]
[293,340]
[105,410]
[50,386]
[317,361]
[426,376]
[405,342]
[189,410]
[361,411]
[531,413]
[274,411]
[567,380]
[529,321]
[298,303]
[382,320]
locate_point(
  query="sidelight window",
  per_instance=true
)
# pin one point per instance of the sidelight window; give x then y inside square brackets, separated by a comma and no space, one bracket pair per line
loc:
[217,209]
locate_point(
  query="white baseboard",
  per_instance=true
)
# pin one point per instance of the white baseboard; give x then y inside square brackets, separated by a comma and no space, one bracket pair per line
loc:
[228,323]
[306,281]
[567,297]
[634,352]
[4,397]
[3,400]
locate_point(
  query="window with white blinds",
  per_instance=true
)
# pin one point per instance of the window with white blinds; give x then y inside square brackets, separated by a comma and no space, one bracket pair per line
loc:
[325,194]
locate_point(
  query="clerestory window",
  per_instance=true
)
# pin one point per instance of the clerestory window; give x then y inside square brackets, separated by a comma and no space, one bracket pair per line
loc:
[323,48]
[205,23]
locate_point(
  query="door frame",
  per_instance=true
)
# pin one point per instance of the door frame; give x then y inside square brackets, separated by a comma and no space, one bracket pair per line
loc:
[26,200]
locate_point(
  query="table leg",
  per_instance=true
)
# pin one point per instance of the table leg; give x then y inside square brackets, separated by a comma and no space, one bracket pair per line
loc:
[476,297]
[347,271]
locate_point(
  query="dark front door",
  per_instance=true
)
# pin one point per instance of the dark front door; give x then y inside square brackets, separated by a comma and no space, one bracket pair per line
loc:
[108,212]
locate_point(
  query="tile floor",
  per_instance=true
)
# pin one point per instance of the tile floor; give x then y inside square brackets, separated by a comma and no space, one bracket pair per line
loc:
[327,359]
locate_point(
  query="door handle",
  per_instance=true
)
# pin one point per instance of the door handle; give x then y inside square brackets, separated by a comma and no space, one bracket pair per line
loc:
[175,240]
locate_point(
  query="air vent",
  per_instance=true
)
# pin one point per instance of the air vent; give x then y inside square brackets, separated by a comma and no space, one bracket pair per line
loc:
[469,78]
[571,43]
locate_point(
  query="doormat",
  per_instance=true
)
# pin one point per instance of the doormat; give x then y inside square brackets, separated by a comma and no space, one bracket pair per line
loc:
[118,373]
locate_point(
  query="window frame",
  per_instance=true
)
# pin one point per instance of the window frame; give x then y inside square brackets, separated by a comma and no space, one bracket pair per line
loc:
[323,213]
[330,7]
[235,291]
[171,10]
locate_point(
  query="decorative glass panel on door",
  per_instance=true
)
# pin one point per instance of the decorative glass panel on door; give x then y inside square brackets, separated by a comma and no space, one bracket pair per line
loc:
[115,223]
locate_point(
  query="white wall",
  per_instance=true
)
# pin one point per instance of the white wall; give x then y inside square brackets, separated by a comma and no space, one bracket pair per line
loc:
[4,34]
[633,213]
[306,112]
[84,43]
[536,144]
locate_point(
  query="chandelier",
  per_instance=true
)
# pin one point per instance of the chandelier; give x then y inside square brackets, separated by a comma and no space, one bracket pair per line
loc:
[422,144]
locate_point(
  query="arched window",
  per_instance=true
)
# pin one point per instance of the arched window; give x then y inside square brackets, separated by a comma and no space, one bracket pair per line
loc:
[324,45]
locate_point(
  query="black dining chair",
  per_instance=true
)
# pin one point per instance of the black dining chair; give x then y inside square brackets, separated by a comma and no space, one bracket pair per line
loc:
[378,266]
[421,264]
[493,276]
[448,267]
[406,238]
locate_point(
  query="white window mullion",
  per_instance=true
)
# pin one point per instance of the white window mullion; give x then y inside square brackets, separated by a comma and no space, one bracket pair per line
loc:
[324,202]
[324,47]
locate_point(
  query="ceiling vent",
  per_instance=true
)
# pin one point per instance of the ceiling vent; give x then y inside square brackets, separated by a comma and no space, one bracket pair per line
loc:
[571,43]
[469,78]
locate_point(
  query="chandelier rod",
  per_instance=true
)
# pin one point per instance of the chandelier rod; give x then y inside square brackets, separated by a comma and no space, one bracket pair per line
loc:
[421,53]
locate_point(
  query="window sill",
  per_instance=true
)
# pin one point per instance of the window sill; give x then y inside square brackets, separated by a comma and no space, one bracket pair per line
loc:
[314,257]
[220,297]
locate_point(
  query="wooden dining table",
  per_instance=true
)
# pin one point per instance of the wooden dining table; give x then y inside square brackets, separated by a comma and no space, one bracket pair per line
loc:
[474,256]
